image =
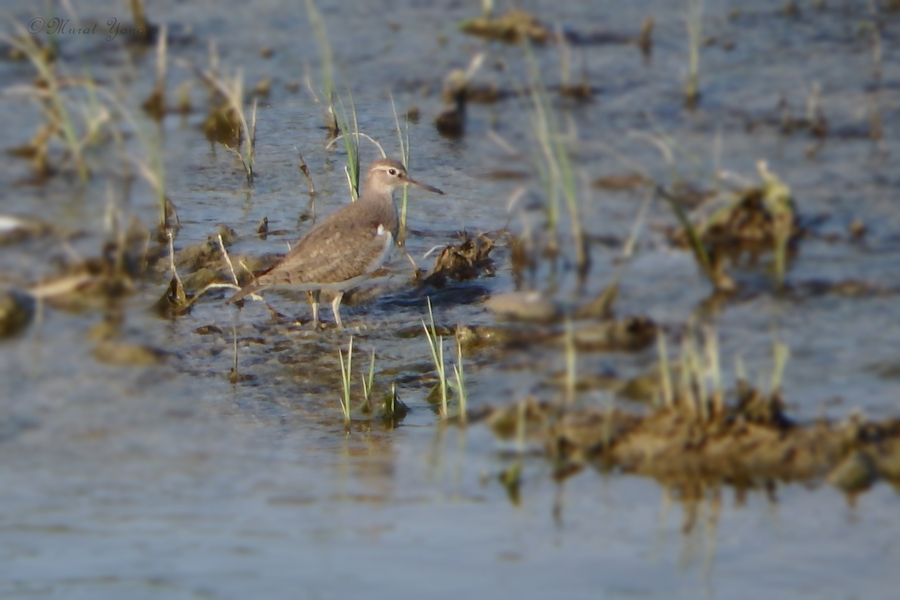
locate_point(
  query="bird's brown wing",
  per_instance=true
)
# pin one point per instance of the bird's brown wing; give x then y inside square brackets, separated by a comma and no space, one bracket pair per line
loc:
[341,247]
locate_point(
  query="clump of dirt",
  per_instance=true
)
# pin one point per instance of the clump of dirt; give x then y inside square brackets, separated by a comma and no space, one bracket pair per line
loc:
[737,226]
[155,104]
[748,444]
[614,335]
[458,91]
[479,93]
[451,122]
[37,150]
[746,224]
[93,282]
[175,301]
[752,219]
[629,334]
[581,91]
[16,312]
[223,125]
[203,263]
[196,269]
[514,27]
[469,259]
[14,230]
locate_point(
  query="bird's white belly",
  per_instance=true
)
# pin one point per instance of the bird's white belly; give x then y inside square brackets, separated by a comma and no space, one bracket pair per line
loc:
[386,250]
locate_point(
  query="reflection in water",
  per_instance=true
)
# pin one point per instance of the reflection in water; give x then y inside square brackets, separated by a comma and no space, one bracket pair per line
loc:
[701,509]
[367,463]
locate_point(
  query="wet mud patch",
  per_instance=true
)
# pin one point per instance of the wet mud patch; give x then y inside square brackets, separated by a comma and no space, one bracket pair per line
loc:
[752,444]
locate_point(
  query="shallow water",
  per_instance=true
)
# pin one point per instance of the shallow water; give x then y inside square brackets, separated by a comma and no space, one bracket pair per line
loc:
[169,481]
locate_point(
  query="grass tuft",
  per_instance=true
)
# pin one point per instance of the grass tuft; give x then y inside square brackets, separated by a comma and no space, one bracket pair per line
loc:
[694,24]
[780,355]
[345,381]
[367,385]
[231,89]
[155,104]
[403,138]
[665,371]
[700,393]
[554,165]
[52,101]
[778,202]
[351,145]
[571,361]
[326,67]
[436,345]
[459,372]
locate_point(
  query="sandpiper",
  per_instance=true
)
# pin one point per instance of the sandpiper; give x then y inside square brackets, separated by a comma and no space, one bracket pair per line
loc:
[347,247]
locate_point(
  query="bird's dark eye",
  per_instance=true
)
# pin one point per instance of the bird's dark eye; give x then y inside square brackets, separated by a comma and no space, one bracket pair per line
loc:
[392,171]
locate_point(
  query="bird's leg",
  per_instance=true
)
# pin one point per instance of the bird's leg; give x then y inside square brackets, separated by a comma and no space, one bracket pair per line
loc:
[313,298]
[336,308]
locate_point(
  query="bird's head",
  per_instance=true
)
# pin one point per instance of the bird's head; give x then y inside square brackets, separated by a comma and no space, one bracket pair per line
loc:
[387,174]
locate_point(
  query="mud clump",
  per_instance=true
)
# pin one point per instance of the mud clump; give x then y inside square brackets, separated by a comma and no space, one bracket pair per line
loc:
[223,125]
[95,282]
[748,222]
[747,225]
[514,27]
[15,230]
[467,260]
[629,334]
[750,444]
[16,312]
[753,219]
[451,122]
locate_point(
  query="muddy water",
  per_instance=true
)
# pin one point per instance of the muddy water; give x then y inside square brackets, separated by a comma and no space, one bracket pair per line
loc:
[169,481]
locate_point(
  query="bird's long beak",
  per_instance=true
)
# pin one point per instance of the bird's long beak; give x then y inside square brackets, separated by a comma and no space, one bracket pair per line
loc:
[424,186]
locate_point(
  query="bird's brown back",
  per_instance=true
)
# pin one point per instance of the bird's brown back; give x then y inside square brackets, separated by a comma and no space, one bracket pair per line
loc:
[339,248]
